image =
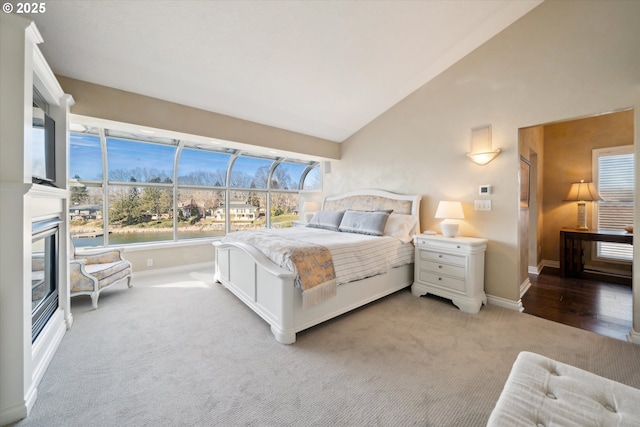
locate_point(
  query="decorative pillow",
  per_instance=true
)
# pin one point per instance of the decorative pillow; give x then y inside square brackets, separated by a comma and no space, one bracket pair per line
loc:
[328,220]
[400,226]
[364,222]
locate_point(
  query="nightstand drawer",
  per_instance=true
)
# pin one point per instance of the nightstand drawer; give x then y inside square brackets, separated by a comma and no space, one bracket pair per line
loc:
[440,280]
[439,268]
[440,257]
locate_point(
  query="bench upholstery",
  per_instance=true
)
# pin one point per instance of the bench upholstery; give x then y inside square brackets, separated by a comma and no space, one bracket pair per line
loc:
[543,392]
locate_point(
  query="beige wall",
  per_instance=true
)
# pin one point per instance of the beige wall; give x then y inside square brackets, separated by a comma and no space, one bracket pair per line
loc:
[562,60]
[112,104]
[531,148]
[569,148]
[175,256]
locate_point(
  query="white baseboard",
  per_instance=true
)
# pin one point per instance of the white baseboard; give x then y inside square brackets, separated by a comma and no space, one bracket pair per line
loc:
[524,287]
[176,269]
[536,269]
[505,303]
[633,337]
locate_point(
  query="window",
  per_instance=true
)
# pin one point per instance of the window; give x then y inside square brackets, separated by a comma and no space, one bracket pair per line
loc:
[313,179]
[129,187]
[85,157]
[203,168]
[250,172]
[614,175]
[133,161]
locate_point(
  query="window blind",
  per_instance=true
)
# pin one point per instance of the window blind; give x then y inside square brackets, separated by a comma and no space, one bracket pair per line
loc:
[615,172]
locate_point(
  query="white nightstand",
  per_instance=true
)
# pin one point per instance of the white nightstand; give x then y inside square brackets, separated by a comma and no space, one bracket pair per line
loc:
[451,267]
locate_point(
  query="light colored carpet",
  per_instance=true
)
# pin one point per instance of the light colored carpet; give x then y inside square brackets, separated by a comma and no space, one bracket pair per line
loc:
[180,350]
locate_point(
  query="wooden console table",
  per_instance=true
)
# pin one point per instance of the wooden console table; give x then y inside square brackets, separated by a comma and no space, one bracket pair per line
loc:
[571,252]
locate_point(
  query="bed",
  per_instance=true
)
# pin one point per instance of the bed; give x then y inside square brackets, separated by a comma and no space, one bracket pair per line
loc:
[272,289]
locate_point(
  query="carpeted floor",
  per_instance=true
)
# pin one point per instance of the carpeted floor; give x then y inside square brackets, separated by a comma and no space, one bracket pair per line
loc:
[180,350]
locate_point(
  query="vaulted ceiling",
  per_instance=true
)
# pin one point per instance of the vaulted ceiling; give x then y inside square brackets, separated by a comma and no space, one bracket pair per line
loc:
[321,68]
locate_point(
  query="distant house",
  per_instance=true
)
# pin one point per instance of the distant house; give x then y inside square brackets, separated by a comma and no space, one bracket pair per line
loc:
[188,209]
[238,211]
[85,212]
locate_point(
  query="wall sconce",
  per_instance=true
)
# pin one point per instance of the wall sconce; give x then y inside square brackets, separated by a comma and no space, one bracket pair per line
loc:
[450,212]
[582,192]
[481,152]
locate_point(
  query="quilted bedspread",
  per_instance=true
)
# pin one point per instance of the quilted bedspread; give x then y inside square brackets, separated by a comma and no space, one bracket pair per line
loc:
[312,262]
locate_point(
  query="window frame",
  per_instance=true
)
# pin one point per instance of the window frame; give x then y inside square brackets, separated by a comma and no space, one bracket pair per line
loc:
[599,252]
[105,130]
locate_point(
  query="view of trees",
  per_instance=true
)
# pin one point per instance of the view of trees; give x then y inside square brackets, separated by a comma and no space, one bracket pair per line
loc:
[141,191]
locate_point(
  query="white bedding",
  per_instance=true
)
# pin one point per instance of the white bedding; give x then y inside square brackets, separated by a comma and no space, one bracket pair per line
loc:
[355,256]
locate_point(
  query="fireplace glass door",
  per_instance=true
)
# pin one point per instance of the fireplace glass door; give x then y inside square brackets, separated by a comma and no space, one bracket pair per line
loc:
[44,273]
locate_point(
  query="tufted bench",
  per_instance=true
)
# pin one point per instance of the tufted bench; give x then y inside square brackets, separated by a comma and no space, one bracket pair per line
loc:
[543,392]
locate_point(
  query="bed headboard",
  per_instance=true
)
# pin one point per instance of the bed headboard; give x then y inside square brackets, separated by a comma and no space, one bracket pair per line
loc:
[373,200]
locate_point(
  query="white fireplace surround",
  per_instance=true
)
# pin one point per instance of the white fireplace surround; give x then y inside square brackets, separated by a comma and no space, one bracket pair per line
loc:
[23,68]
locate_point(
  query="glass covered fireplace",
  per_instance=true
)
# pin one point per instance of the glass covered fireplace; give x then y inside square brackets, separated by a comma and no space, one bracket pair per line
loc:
[44,273]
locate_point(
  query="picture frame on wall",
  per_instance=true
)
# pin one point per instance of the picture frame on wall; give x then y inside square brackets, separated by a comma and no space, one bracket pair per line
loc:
[525,182]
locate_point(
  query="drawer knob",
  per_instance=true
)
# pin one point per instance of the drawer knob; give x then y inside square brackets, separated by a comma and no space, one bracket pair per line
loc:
[439,278]
[439,256]
[439,266]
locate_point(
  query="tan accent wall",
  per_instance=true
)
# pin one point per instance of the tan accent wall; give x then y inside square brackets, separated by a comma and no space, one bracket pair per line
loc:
[107,103]
[568,147]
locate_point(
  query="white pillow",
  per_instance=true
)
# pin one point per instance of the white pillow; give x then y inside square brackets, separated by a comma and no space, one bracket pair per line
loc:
[400,226]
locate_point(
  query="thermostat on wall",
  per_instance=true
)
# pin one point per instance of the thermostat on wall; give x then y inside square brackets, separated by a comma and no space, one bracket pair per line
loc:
[485,189]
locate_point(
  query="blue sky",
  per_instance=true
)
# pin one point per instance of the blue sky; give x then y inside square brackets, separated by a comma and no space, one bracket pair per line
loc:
[85,154]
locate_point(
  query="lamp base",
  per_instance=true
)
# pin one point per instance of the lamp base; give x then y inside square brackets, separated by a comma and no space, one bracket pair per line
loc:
[582,216]
[449,229]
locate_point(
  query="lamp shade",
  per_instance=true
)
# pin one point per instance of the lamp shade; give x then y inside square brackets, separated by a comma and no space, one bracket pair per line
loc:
[582,192]
[449,210]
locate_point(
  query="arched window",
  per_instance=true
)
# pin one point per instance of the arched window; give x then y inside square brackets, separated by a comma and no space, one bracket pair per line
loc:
[165,189]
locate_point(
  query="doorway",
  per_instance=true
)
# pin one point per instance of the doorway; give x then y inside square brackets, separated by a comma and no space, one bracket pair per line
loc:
[561,153]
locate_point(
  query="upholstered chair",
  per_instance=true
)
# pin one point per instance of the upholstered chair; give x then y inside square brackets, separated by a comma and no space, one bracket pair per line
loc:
[93,272]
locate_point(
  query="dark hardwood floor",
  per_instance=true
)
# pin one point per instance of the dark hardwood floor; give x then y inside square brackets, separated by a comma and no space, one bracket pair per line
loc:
[600,307]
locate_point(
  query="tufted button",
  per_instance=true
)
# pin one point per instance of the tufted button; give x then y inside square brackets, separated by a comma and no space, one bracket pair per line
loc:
[540,425]
[554,373]
[609,408]
[551,396]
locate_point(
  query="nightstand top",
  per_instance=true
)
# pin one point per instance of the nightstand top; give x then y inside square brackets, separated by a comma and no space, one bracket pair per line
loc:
[457,239]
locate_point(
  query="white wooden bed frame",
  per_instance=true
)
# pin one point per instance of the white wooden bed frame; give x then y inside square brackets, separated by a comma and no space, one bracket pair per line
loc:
[269,290]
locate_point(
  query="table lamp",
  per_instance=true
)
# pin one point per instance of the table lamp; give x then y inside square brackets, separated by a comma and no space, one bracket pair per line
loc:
[450,212]
[582,192]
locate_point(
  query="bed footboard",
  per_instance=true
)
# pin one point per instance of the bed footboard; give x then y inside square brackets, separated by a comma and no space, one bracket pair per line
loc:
[262,285]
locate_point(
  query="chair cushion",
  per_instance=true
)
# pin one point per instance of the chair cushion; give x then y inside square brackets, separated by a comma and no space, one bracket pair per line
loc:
[103,272]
